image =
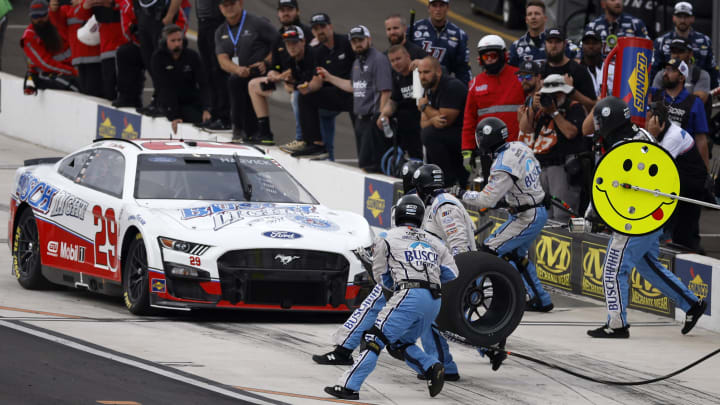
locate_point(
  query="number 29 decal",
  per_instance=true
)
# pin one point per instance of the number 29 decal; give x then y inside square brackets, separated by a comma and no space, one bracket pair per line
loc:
[105,239]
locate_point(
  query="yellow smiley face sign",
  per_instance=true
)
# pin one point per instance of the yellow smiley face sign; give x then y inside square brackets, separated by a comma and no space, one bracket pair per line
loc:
[640,164]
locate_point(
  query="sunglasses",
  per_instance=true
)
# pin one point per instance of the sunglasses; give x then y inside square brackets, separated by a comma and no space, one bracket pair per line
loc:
[490,56]
[525,77]
[290,35]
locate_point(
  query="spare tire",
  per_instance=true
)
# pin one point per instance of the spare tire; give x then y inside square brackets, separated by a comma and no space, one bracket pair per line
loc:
[485,303]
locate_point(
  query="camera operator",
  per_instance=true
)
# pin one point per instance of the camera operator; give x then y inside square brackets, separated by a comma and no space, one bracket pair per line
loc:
[556,121]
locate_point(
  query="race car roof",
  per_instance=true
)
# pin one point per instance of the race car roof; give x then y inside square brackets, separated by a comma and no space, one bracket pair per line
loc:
[181,146]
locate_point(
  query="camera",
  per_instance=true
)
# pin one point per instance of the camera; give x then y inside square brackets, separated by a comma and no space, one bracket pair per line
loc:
[265,86]
[546,99]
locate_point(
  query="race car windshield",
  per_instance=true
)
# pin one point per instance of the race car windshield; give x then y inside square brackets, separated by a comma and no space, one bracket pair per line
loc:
[217,178]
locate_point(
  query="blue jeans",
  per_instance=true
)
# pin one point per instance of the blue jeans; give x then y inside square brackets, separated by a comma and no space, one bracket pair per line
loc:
[327,130]
[294,103]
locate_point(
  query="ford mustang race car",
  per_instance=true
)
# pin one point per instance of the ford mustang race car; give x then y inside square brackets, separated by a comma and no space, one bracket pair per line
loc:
[181,225]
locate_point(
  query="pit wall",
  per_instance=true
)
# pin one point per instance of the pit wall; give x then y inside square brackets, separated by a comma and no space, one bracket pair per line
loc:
[67,121]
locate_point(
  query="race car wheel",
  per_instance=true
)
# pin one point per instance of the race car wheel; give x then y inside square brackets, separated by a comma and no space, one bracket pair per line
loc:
[486,302]
[26,253]
[136,287]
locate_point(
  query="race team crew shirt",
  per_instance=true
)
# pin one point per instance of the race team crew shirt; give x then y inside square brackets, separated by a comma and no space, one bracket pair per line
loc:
[402,95]
[247,42]
[303,70]
[551,147]
[451,93]
[448,45]
[625,26]
[582,81]
[527,48]
[370,76]
[498,96]
[338,61]
[702,51]
[280,59]
[691,118]
[42,60]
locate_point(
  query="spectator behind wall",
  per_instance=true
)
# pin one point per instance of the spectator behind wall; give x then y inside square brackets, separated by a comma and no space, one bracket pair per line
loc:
[47,53]
[182,84]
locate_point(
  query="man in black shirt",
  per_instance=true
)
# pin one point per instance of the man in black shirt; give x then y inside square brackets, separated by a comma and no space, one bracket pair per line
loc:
[402,104]
[395,29]
[181,82]
[442,110]
[335,55]
[242,46]
[209,19]
[576,75]
[279,70]
[592,60]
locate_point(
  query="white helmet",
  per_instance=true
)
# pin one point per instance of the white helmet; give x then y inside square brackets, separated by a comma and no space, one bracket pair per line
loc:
[491,43]
[89,34]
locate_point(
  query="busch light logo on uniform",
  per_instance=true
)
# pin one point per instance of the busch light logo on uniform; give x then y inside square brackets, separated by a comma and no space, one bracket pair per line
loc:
[533,173]
[420,254]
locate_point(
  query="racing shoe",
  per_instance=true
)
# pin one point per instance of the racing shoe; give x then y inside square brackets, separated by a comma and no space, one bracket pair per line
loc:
[311,150]
[496,358]
[607,332]
[292,146]
[435,378]
[530,307]
[693,314]
[338,357]
[448,377]
[338,391]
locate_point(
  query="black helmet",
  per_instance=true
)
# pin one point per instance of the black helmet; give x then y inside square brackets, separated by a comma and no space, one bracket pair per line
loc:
[612,120]
[407,171]
[428,178]
[409,210]
[490,134]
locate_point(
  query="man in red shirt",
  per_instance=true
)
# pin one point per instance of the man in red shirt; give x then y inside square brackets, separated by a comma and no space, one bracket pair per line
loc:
[496,92]
[47,52]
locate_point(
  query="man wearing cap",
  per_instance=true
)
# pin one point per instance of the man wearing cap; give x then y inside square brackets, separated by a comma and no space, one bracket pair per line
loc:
[592,61]
[243,46]
[531,46]
[702,49]
[528,75]
[443,40]
[371,85]
[556,120]
[614,24]
[209,18]
[279,70]
[48,54]
[698,82]
[496,92]
[558,63]
[319,102]
[685,109]
[402,105]
[181,83]
[396,29]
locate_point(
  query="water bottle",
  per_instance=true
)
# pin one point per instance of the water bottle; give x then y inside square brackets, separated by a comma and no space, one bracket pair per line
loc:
[386,127]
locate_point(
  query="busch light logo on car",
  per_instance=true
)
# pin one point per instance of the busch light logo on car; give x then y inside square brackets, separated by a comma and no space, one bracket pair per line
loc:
[420,254]
[282,235]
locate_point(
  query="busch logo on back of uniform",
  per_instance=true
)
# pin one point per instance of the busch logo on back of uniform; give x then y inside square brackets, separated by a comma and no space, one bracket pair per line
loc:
[421,254]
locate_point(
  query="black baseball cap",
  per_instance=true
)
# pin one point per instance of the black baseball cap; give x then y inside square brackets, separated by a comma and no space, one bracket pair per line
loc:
[529,67]
[591,34]
[319,19]
[287,3]
[293,33]
[554,33]
[680,43]
[439,1]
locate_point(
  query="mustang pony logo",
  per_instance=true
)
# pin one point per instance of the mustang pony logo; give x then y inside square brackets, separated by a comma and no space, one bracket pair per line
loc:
[285,260]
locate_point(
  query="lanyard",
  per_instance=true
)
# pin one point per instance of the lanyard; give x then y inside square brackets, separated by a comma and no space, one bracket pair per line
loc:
[237,36]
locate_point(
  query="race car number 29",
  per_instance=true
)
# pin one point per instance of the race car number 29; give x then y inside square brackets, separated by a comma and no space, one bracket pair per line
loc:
[105,239]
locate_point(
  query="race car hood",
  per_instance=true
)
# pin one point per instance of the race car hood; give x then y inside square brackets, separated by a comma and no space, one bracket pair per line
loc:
[261,224]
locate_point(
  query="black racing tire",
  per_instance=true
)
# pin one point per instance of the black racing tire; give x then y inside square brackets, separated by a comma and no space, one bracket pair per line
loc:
[26,253]
[136,284]
[486,302]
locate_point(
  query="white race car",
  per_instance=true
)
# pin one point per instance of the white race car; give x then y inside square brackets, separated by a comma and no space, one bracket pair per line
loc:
[183,224]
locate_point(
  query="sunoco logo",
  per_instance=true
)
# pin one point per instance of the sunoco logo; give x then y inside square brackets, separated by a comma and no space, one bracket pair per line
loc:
[698,286]
[72,252]
[553,257]
[375,203]
[639,82]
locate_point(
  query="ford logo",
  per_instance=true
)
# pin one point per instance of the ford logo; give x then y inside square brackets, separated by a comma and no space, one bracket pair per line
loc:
[282,235]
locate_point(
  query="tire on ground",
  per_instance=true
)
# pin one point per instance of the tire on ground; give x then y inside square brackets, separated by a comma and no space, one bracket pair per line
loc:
[491,285]
[26,265]
[136,284]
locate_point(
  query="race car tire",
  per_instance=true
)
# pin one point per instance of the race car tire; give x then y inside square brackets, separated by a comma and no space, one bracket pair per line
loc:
[26,253]
[485,303]
[136,286]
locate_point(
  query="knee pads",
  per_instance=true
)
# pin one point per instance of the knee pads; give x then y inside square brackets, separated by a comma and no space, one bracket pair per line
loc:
[370,340]
[398,352]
